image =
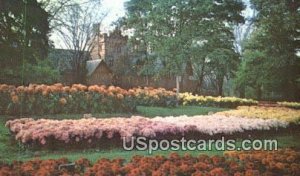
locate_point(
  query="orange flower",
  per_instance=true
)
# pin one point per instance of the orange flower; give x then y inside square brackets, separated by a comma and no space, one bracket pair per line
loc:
[110,94]
[238,174]
[249,165]
[120,96]
[20,89]
[73,90]
[45,92]
[3,87]
[290,159]
[251,172]
[66,89]
[280,166]
[184,168]
[201,166]
[233,166]
[83,162]
[15,99]
[216,160]
[218,172]
[62,101]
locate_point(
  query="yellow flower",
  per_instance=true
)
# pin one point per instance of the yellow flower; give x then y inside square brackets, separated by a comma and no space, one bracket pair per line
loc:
[45,92]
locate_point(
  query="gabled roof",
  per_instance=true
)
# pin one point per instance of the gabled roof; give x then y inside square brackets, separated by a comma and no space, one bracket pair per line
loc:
[92,65]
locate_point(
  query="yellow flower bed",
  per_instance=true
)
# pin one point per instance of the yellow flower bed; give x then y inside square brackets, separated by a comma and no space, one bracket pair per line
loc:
[280,113]
[294,105]
[228,102]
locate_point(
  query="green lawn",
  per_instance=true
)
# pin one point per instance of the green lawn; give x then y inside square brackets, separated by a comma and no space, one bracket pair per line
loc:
[10,149]
[182,110]
[145,111]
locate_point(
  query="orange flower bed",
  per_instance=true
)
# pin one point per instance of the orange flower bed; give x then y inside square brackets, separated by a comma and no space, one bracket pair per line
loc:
[57,98]
[282,162]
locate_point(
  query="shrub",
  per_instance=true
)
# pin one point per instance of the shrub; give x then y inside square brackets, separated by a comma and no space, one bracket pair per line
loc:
[226,102]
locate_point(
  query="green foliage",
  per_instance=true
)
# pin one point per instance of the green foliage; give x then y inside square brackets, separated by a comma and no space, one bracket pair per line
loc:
[40,73]
[270,62]
[24,31]
[174,34]
[178,111]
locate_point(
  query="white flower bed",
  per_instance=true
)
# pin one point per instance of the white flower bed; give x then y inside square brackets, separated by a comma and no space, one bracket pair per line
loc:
[214,124]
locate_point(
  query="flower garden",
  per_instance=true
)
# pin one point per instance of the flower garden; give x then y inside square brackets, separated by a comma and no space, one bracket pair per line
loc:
[55,99]
[282,162]
[29,126]
[87,130]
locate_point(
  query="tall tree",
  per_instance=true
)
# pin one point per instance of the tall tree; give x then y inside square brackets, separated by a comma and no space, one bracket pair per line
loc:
[137,19]
[24,30]
[80,29]
[270,57]
[178,32]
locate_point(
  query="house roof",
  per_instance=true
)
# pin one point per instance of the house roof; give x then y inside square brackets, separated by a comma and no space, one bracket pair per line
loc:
[92,65]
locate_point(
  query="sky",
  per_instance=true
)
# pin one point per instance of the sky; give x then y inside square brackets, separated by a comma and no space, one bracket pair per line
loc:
[115,10]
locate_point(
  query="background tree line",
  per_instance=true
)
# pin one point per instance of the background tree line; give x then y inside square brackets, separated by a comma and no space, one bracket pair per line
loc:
[176,33]
[25,29]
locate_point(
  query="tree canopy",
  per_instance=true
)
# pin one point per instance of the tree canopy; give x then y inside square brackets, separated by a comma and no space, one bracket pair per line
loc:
[176,33]
[24,26]
[270,61]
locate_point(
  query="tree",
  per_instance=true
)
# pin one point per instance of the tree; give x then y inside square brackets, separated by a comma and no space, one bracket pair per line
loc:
[177,33]
[252,71]
[80,29]
[270,59]
[137,19]
[24,31]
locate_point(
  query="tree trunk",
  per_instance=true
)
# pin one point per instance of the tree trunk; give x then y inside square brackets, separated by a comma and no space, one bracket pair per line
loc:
[220,88]
[258,93]
[198,86]
[242,92]
[200,80]
[220,81]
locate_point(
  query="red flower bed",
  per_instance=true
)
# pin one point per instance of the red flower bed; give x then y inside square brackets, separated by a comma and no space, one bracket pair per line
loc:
[282,162]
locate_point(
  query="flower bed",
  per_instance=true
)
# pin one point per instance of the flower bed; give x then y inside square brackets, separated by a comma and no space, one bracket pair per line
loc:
[280,113]
[28,130]
[53,99]
[295,105]
[282,162]
[226,102]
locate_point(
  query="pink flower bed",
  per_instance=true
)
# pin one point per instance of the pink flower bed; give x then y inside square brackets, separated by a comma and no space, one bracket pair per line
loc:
[29,130]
